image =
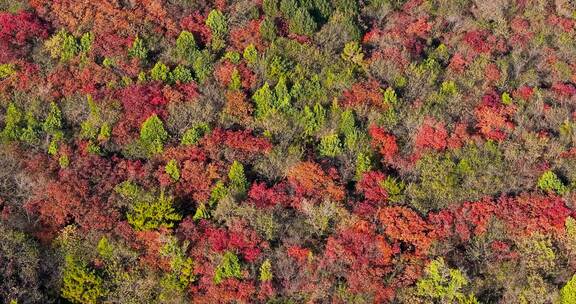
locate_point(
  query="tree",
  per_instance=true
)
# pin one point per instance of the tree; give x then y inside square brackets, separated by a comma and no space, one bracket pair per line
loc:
[264,99]
[217,23]
[250,54]
[172,170]
[53,122]
[63,46]
[138,49]
[149,215]
[229,267]
[237,179]
[152,135]
[443,284]
[330,145]
[80,284]
[302,23]
[568,292]
[549,182]
[160,72]
[12,121]
[353,53]
[194,134]
[266,271]
[185,46]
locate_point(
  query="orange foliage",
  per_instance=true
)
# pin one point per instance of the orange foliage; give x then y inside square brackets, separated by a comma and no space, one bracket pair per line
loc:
[308,179]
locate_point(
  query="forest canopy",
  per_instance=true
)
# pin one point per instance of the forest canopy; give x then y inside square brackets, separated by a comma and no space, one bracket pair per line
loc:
[288,151]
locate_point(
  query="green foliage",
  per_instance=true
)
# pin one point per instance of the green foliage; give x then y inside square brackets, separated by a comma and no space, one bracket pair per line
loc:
[347,122]
[90,128]
[160,72]
[229,267]
[235,81]
[312,120]
[302,23]
[181,74]
[330,145]
[237,179]
[108,62]
[149,215]
[64,161]
[353,53]
[394,189]
[138,49]
[270,7]
[181,268]
[201,212]
[568,292]
[7,70]
[283,97]
[550,182]
[12,121]
[250,54]
[288,7]
[506,99]
[171,169]
[266,271]
[438,181]
[218,192]
[30,134]
[104,248]
[86,42]
[217,22]
[194,134]
[80,284]
[202,65]
[63,46]
[363,164]
[443,284]
[53,122]
[268,29]
[448,88]
[185,46]
[152,135]
[264,100]
[233,56]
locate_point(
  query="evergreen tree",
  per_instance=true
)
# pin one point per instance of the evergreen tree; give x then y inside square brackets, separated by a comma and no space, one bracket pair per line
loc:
[152,135]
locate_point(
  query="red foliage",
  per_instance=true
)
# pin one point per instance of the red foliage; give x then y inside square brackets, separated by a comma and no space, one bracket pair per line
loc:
[77,194]
[403,224]
[469,219]
[244,36]
[366,256]
[139,102]
[196,173]
[419,28]
[431,135]
[16,31]
[371,186]
[565,90]
[242,144]
[384,142]
[529,213]
[299,254]
[494,118]
[477,40]
[239,239]
[106,16]
[195,24]
[264,197]
[523,92]
[364,93]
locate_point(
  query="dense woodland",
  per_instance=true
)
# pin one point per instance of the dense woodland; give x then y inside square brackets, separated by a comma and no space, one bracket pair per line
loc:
[288,151]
